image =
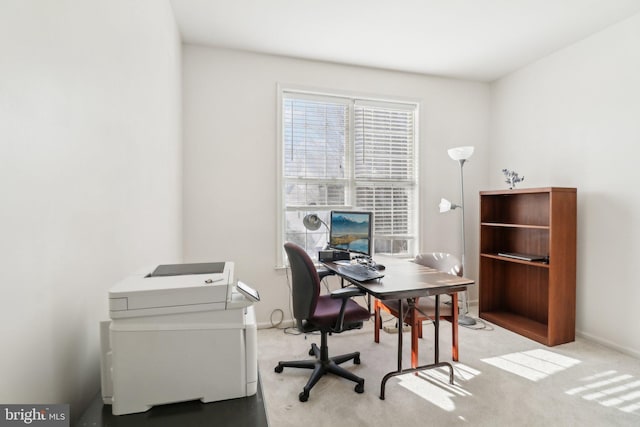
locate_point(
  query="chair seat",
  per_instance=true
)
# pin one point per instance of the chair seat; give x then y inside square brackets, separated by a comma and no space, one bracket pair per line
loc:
[325,314]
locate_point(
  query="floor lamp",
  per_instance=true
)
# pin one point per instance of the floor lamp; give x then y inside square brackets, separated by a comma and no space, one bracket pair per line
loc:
[461,154]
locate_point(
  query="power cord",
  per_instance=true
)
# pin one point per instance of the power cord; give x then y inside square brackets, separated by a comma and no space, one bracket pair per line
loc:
[275,325]
[288,329]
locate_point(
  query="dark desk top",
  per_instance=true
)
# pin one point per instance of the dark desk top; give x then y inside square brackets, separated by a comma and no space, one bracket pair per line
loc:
[405,279]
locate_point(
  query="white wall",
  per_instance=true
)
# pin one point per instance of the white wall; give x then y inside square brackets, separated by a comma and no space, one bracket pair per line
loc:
[230,150]
[90,179]
[573,119]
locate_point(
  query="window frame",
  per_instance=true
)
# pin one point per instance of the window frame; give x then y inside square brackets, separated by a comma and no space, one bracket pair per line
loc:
[352,100]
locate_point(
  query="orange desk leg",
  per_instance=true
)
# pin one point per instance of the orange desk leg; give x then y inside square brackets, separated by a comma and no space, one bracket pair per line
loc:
[377,321]
[415,333]
[454,326]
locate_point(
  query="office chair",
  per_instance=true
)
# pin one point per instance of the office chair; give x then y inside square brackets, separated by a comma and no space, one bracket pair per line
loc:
[425,306]
[328,314]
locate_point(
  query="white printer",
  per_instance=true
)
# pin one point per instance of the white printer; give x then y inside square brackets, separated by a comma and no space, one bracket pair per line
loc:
[179,332]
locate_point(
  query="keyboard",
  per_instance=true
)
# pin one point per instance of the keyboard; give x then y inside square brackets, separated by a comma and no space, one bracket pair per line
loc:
[360,272]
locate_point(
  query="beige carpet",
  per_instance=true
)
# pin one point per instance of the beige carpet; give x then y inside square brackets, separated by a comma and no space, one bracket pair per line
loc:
[502,379]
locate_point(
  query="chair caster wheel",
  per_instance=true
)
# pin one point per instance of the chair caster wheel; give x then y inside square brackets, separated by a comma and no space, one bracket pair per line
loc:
[278,369]
[304,396]
[356,360]
[359,388]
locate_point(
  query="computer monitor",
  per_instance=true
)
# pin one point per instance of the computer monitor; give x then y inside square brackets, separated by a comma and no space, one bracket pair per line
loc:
[351,231]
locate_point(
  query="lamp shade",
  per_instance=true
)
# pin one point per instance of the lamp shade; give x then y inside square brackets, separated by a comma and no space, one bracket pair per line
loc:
[312,222]
[461,153]
[444,205]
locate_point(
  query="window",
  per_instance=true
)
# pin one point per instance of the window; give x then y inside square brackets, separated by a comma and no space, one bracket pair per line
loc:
[339,152]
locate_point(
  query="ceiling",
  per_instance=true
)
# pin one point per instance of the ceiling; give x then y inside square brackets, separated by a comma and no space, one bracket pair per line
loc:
[469,39]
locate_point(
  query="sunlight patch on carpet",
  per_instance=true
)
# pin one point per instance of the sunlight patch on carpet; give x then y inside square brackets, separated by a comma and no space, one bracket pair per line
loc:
[611,389]
[533,365]
[433,385]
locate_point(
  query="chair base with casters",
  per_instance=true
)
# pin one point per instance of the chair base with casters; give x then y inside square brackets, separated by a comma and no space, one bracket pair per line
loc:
[424,310]
[322,365]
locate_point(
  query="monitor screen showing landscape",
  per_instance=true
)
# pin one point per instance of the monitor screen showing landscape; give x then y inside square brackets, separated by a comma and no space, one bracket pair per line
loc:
[351,231]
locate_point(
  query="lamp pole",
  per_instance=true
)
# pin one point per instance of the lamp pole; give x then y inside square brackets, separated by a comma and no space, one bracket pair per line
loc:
[463,319]
[461,154]
[464,248]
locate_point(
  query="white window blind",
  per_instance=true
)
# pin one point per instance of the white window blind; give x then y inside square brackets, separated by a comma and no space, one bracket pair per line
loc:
[385,173]
[346,153]
[315,143]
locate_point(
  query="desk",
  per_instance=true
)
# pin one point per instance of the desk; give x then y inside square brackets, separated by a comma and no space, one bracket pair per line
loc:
[407,280]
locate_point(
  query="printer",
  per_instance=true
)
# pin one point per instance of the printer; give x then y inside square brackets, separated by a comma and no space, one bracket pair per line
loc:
[178,332]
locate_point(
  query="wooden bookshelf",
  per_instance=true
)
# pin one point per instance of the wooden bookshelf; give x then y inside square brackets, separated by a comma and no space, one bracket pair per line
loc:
[536,299]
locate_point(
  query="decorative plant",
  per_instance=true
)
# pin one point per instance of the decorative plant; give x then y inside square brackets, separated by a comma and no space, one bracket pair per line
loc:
[512,178]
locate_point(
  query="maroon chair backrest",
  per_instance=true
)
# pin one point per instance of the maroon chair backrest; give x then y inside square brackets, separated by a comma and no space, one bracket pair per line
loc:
[305,282]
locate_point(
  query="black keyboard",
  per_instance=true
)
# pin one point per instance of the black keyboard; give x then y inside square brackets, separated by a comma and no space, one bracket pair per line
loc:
[360,272]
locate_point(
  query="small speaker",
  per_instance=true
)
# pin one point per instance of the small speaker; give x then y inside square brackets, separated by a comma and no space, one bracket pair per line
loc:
[333,255]
[325,255]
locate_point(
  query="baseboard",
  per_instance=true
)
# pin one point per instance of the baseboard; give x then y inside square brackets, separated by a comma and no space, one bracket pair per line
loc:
[609,344]
[288,323]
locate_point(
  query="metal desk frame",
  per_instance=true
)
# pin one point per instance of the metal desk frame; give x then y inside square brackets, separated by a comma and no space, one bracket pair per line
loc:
[412,281]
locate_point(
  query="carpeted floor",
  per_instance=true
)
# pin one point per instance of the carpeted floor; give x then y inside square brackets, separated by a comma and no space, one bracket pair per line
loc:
[502,379]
